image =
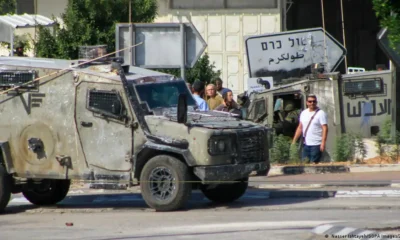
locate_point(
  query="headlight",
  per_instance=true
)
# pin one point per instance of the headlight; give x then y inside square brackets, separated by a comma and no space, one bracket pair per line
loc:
[219,145]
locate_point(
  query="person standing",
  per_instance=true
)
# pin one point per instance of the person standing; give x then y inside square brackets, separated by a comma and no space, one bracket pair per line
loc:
[198,90]
[313,125]
[213,99]
[220,90]
[228,104]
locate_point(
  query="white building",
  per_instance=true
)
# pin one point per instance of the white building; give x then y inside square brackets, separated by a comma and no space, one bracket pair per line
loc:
[222,23]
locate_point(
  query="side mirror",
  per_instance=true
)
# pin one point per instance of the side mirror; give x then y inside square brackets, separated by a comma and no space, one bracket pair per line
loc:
[182,108]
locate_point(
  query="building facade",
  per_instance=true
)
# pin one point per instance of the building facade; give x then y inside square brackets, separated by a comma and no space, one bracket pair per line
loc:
[223,24]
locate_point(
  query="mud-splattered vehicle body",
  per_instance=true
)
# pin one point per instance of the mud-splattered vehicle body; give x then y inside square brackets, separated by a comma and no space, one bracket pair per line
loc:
[107,123]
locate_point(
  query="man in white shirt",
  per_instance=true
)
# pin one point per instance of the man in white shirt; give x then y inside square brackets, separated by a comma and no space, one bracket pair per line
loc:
[313,125]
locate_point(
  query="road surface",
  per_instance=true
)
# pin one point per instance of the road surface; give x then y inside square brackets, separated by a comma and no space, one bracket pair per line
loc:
[260,214]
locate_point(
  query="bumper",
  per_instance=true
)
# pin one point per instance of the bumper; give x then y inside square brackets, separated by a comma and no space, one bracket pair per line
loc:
[229,172]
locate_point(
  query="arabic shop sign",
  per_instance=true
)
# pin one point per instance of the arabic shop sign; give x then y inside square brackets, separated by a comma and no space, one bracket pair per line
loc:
[291,54]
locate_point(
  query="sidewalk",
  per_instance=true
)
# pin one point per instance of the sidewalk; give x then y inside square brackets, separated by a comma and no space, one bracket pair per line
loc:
[359,179]
[332,168]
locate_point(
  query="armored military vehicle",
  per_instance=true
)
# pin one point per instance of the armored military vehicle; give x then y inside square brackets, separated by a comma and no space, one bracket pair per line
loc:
[355,103]
[105,122]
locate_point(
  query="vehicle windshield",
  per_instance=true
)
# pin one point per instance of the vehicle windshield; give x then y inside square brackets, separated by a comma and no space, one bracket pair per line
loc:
[164,95]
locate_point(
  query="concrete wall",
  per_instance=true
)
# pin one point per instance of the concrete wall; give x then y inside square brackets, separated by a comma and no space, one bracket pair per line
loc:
[50,8]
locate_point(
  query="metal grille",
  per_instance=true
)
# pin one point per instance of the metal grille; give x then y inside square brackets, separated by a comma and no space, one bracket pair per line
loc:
[258,109]
[102,100]
[368,86]
[251,146]
[10,78]
[92,52]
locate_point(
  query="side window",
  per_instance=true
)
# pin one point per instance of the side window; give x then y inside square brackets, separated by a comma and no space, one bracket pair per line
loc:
[258,110]
[106,103]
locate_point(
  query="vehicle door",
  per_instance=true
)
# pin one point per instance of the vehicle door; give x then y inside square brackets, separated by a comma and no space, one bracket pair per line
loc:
[101,117]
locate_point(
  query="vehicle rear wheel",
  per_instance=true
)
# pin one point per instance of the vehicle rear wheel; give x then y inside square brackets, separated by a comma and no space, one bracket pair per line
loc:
[49,192]
[164,183]
[225,193]
[5,188]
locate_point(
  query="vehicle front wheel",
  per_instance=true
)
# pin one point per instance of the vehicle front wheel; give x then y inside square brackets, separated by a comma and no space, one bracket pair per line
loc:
[225,193]
[49,192]
[164,183]
[5,188]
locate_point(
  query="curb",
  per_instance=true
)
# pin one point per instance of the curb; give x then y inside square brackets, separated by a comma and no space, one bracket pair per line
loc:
[291,170]
[313,186]
[329,231]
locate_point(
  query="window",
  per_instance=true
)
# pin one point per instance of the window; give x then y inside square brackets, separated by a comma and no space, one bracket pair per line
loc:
[164,95]
[25,6]
[223,4]
[107,103]
[365,86]
[259,109]
[23,78]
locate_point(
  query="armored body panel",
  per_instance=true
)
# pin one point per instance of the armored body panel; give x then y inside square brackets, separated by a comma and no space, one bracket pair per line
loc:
[355,103]
[104,122]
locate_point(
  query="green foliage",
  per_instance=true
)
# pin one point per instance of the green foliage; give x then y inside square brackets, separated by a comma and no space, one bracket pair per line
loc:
[203,70]
[91,22]
[8,7]
[281,151]
[22,41]
[385,135]
[47,45]
[383,10]
[386,144]
[349,147]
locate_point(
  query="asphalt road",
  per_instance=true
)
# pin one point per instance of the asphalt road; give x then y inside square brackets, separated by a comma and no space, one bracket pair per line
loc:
[260,214]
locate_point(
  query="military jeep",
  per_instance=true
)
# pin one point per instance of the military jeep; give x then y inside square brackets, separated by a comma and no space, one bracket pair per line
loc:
[105,122]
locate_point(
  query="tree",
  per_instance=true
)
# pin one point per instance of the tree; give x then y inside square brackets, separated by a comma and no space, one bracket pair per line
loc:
[8,7]
[91,22]
[203,70]
[388,13]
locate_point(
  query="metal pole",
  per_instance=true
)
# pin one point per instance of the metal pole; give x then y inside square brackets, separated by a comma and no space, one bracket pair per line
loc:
[130,32]
[284,12]
[12,43]
[183,56]
[323,25]
[344,34]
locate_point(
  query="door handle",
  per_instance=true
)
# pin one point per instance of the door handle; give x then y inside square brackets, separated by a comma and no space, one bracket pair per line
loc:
[86,124]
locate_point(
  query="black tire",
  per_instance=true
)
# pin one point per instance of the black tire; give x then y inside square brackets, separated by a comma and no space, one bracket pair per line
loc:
[226,193]
[55,191]
[5,188]
[164,166]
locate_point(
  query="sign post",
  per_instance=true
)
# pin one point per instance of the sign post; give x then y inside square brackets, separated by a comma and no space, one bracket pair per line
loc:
[292,54]
[165,45]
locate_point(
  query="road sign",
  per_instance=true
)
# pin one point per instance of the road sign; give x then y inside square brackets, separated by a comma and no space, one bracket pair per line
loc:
[165,45]
[292,53]
[259,84]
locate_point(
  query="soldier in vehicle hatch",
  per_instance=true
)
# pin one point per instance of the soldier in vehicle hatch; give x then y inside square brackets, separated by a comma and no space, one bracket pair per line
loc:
[287,117]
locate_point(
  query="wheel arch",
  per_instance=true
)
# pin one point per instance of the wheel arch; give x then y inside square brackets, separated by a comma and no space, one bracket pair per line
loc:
[151,150]
[6,158]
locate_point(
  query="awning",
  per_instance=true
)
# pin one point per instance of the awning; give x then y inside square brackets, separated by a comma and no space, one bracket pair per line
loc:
[8,24]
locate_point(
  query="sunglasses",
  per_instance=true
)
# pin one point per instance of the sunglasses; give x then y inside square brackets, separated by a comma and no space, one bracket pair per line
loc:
[312,101]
